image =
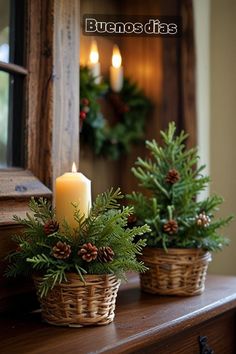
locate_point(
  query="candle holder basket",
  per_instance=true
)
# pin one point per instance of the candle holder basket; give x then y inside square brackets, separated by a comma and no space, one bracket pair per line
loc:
[77,269]
[76,303]
[180,272]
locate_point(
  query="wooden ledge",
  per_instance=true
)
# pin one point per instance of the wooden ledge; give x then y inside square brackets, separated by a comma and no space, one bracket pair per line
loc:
[16,189]
[141,320]
[21,185]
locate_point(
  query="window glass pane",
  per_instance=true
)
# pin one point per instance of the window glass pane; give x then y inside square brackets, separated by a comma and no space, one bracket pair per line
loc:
[4,29]
[12,86]
[4,113]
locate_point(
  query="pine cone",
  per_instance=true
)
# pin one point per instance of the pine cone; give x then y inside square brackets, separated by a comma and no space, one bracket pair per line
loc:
[171,227]
[172,176]
[61,250]
[105,254]
[203,220]
[88,252]
[50,227]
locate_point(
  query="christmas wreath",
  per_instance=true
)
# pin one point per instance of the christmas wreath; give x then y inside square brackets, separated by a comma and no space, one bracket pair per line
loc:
[111,137]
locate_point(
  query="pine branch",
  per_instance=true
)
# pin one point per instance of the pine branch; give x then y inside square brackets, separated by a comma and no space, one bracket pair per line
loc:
[13,270]
[41,261]
[51,278]
[42,209]
[80,271]
[105,201]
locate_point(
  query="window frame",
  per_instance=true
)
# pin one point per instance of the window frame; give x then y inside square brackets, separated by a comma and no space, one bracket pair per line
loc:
[17,71]
[37,72]
[51,102]
[52,123]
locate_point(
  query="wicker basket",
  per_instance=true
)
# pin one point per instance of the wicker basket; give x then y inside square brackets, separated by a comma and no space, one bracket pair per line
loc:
[77,304]
[179,272]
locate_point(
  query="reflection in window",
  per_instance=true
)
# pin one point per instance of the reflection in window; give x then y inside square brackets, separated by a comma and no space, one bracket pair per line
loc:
[4,99]
[4,30]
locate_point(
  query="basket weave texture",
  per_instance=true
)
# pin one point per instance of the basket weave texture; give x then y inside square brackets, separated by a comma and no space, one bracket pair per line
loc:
[179,272]
[75,303]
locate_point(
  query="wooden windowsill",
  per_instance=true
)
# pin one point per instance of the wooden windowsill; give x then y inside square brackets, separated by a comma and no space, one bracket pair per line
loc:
[141,320]
[20,184]
[16,188]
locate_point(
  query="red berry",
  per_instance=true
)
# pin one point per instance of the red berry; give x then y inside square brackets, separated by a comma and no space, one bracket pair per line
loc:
[82,115]
[85,101]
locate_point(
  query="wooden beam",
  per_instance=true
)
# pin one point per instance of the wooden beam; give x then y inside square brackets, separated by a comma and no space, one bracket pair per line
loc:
[65,86]
[53,87]
[39,112]
[188,71]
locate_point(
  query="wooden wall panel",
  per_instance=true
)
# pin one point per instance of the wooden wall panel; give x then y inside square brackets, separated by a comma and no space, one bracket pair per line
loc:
[102,172]
[171,103]
[142,61]
[39,61]
[179,96]
[53,87]
[143,64]
[188,70]
[66,86]
[105,44]
[163,67]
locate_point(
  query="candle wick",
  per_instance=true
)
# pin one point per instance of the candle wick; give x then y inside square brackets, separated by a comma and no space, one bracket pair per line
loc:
[74,169]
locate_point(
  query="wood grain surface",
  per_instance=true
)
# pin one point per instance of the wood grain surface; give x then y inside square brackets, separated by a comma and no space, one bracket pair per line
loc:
[52,108]
[38,110]
[22,185]
[65,143]
[144,323]
[164,68]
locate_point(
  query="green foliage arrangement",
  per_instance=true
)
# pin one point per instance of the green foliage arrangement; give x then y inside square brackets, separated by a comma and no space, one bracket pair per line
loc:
[130,107]
[101,244]
[171,209]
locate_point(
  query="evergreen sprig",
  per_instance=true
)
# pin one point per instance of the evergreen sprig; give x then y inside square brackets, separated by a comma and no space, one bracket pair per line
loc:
[53,253]
[174,181]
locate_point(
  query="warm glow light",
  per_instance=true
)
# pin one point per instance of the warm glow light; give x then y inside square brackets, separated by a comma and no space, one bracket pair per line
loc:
[94,56]
[74,168]
[116,57]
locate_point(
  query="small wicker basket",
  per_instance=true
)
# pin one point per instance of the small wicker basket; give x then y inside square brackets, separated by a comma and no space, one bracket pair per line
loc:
[176,272]
[77,304]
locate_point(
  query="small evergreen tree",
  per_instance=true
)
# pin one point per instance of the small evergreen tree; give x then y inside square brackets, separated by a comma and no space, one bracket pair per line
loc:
[170,207]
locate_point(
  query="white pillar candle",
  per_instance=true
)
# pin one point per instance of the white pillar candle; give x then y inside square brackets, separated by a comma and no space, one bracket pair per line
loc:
[72,187]
[116,71]
[94,65]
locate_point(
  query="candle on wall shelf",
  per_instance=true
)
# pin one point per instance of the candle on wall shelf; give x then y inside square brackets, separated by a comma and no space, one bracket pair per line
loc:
[94,65]
[116,71]
[72,187]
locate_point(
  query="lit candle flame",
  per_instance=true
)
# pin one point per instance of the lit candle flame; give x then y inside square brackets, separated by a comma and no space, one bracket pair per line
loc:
[74,168]
[94,56]
[116,57]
